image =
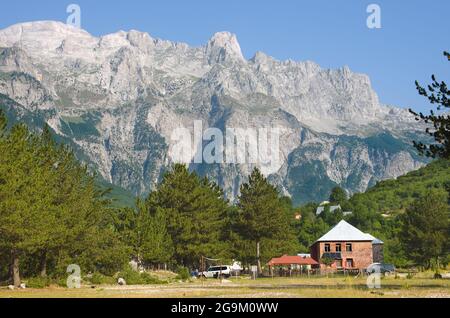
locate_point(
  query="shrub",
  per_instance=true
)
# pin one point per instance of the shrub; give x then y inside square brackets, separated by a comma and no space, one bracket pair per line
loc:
[100,279]
[328,261]
[135,278]
[61,282]
[131,276]
[437,276]
[183,273]
[38,282]
[149,279]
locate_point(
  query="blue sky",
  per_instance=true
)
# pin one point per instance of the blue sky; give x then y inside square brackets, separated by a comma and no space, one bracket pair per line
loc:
[331,33]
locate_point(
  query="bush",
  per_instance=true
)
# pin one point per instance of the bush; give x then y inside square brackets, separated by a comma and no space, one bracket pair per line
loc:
[61,282]
[131,276]
[135,278]
[38,282]
[100,279]
[437,276]
[149,279]
[183,273]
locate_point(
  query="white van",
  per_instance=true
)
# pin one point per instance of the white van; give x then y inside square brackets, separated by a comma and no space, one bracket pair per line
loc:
[217,271]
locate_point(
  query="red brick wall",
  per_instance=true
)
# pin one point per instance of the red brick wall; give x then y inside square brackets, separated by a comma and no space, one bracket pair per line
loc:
[362,253]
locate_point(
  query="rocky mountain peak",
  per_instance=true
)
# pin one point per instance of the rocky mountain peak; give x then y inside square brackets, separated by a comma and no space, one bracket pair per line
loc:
[119,97]
[139,39]
[222,47]
[37,30]
[261,58]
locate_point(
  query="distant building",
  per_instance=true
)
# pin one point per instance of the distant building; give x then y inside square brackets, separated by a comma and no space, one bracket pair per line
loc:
[292,262]
[348,247]
[333,208]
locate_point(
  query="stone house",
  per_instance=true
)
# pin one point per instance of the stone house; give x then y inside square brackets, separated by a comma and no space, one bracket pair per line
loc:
[333,208]
[348,248]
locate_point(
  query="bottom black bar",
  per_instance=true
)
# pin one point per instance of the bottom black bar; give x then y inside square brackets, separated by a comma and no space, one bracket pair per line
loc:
[213,307]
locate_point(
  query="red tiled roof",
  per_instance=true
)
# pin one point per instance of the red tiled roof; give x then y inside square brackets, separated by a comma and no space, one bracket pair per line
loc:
[291,260]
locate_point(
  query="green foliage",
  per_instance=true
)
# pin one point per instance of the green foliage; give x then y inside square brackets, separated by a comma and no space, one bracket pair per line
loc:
[183,273]
[328,261]
[394,196]
[426,228]
[438,94]
[119,197]
[133,277]
[51,208]
[310,227]
[152,280]
[380,211]
[3,123]
[195,212]
[54,213]
[262,217]
[38,282]
[338,196]
[331,218]
[100,279]
[146,234]
[260,213]
[365,217]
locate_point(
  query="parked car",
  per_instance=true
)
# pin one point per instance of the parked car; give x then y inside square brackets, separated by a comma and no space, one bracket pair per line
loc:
[385,269]
[217,271]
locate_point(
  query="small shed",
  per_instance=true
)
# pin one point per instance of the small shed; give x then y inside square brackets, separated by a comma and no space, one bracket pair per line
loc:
[293,263]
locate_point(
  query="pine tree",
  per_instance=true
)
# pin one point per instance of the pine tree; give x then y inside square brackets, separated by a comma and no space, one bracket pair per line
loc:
[261,216]
[22,197]
[158,249]
[438,94]
[338,196]
[50,206]
[426,227]
[46,154]
[195,211]
[146,234]
[88,238]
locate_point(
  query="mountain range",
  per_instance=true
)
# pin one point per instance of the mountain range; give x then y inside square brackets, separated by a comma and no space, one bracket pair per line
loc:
[118,98]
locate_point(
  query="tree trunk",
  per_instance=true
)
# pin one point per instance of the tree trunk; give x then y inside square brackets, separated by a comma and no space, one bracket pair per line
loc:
[15,268]
[438,265]
[258,257]
[43,264]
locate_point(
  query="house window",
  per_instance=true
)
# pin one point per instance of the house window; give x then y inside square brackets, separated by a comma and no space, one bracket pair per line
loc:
[349,263]
[338,248]
[327,248]
[339,263]
[348,247]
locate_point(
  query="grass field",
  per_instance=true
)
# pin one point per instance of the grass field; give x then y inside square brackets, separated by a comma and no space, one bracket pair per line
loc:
[319,287]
